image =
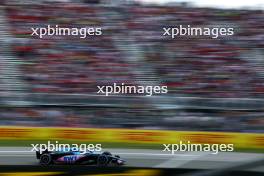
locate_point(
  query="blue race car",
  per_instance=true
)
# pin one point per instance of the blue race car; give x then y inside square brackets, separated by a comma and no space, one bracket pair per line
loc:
[77,158]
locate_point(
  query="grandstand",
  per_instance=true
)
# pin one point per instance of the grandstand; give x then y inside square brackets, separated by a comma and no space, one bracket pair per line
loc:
[212,83]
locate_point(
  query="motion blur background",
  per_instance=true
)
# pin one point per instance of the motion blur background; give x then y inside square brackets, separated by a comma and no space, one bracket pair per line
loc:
[214,84]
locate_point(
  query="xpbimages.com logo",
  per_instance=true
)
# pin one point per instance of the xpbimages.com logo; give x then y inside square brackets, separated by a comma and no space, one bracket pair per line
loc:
[66,31]
[129,89]
[183,30]
[82,148]
[189,147]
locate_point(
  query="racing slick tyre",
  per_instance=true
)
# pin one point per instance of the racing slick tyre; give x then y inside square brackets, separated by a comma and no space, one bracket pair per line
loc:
[45,159]
[102,160]
[107,153]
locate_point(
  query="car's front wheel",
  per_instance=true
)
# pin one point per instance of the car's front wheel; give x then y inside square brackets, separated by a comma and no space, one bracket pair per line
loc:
[102,160]
[45,159]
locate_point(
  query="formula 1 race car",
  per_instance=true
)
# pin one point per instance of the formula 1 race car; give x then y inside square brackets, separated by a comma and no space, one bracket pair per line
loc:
[77,158]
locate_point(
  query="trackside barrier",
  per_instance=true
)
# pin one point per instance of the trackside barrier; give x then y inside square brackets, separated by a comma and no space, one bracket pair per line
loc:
[240,140]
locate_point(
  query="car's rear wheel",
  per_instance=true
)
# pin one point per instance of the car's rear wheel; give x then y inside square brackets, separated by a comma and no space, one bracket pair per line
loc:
[102,160]
[45,159]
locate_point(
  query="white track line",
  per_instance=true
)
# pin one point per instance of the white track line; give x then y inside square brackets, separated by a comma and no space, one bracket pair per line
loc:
[16,151]
[132,153]
[17,155]
[177,162]
[156,154]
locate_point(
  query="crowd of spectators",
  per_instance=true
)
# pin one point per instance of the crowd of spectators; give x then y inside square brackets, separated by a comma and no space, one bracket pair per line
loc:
[227,67]
[200,65]
[65,64]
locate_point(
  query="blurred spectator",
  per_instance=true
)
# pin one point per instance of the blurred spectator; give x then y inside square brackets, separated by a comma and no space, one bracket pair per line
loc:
[195,67]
